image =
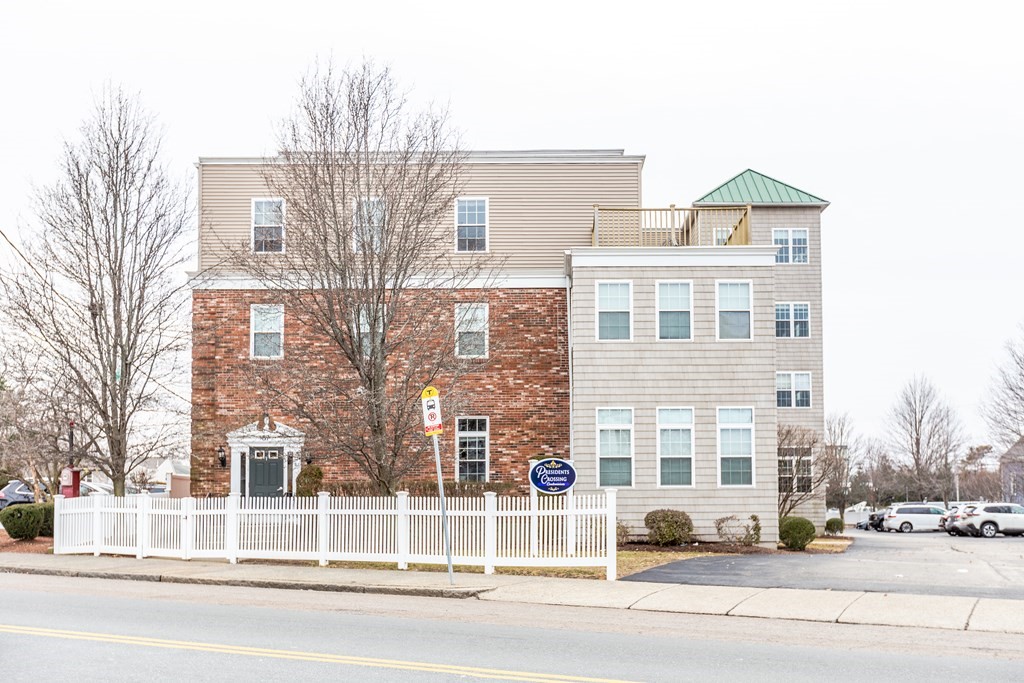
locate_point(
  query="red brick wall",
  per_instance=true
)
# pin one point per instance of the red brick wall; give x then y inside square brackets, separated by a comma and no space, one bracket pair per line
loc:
[523,389]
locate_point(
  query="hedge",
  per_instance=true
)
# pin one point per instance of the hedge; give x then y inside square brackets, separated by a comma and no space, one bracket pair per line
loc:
[22,522]
[796,532]
[834,526]
[668,527]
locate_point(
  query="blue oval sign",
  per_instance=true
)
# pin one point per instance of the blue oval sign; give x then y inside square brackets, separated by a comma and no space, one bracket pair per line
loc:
[553,475]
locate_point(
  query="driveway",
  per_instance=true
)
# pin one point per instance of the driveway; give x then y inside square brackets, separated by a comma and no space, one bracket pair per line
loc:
[926,563]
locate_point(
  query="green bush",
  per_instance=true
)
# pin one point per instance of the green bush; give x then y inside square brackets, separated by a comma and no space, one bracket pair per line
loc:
[668,527]
[46,529]
[834,526]
[22,522]
[796,532]
[309,481]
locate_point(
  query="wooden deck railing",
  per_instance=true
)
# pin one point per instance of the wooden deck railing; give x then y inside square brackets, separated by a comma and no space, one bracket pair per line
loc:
[671,227]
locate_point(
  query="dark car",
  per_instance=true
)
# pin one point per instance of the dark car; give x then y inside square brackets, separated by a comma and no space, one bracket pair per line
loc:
[14,493]
[875,520]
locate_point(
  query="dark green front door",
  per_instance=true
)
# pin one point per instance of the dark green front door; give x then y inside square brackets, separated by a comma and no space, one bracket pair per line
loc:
[266,472]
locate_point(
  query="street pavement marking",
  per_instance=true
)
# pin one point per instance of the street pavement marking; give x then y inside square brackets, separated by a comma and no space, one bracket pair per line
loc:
[472,671]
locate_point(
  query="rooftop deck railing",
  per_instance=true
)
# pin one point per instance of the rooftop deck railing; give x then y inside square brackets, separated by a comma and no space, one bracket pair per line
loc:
[671,227]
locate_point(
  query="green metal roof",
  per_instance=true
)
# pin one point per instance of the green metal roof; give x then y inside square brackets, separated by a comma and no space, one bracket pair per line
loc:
[751,187]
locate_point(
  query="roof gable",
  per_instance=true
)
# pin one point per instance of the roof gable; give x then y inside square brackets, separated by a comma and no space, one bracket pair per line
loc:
[751,187]
[1015,452]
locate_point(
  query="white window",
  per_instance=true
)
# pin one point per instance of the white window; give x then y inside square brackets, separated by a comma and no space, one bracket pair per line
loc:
[675,446]
[368,224]
[792,320]
[471,447]
[792,244]
[268,225]
[736,446]
[734,310]
[674,306]
[366,335]
[471,330]
[614,311]
[615,446]
[795,470]
[266,330]
[471,224]
[793,389]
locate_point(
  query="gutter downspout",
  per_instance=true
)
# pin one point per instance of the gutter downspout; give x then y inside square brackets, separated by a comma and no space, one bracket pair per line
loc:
[568,328]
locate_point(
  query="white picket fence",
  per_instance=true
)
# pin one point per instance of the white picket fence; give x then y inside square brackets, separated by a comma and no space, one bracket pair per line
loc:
[537,531]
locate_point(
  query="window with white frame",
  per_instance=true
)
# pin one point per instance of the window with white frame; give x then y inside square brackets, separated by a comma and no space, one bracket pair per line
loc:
[615,446]
[366,334]
[792,244]
[674,306]
[471,330]
[795,470]
[368,224]
[614,311]
[268,225]
[793,389]
[471,224]
[675,446]
[792,320]
[736,446]
[471,446]
[734,310]
[266,330]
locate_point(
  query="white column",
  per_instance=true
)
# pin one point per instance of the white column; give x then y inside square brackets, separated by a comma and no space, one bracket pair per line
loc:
[97,524]
[402,528]
[611,540]
[533,515]
[58,525]
[231,527]
[235,456]
[322,504]
[490,531]
[141,524]
[188,507]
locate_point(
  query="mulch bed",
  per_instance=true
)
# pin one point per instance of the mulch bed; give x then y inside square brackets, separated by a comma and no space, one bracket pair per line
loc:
[718,548]
[39,545]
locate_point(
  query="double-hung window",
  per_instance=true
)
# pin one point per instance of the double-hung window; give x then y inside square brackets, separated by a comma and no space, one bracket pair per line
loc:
[795,470]
[793,389]
[674,306]
[266,331]
[615,446]
[471,330]
[792,245]
[614,311]
[268,225]
[675,446]
[734,308]
[471,224]
[368,224]
[792,320]
[736,446]
[471,437]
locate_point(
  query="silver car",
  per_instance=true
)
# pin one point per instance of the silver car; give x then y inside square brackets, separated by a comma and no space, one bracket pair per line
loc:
[989,519]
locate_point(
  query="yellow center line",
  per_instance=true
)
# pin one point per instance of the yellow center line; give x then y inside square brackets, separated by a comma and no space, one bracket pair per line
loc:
[475,672]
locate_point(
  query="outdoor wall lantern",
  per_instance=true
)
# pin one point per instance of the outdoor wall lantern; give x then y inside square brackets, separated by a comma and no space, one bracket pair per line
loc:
[222,457]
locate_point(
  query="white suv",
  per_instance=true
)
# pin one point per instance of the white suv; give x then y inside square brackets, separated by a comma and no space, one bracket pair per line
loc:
[989,519]
[913,517]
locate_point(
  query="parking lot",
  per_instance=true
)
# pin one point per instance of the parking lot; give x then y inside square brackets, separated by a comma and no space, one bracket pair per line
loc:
[931,563]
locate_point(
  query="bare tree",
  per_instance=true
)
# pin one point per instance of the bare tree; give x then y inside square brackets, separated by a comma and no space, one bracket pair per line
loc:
[804,467]
[978,475]
[366,271]
[99,287]
[927,436]
[840,453]
[1003,407]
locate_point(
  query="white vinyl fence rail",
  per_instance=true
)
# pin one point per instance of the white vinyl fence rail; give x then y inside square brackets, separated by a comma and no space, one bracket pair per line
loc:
[537,531]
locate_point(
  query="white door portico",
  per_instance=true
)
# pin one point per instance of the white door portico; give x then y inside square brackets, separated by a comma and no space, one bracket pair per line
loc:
[262,435]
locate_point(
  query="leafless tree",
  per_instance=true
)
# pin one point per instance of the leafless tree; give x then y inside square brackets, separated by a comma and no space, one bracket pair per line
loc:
[99,289]
[366,270]
[1003,407]
[840,456]
[978,475]
[927,436]
[804,467]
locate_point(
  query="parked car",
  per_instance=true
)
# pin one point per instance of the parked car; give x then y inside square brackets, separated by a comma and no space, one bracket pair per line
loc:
[989,519]
[89,488]
[16,492]
[876,520]
[951,519]
[913,517]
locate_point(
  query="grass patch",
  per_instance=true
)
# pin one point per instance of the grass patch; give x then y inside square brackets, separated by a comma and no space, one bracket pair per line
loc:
[830,544]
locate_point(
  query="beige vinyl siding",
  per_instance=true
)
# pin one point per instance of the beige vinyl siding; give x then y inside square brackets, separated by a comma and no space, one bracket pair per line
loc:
[536,210]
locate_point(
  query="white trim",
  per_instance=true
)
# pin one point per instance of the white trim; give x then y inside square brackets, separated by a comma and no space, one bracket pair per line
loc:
[537,156]
[794,458]
[598,311]
[487,444]
[657,452]
[657,309]
[789,244]
[357,228]
[487,328]
[240,441]
[221,281]
[792,389]
[650,257]
[252,223]
[487,224]
[750,310]
[252,330]
[792,318]
[753,447]
[632,445]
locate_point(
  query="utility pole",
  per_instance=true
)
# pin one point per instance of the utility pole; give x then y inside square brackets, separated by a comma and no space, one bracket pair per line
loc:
[432,426]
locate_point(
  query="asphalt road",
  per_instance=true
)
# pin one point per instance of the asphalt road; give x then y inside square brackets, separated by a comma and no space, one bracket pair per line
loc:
[926,563]
[102,630]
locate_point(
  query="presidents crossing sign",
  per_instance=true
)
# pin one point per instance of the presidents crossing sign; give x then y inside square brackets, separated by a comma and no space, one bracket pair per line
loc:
[553,475]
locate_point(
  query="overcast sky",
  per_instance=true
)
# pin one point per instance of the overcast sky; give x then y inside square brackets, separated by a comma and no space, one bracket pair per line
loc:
[905,115]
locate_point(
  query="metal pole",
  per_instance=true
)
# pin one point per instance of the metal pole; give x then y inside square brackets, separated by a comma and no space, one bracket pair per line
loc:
[71,443]
[444,513]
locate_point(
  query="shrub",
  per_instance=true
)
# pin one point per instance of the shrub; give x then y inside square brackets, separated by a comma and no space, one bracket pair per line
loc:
[308,482]
[730,530]
[796,532]
[834,526]
[668,527]
[46,528]
[22,522]
[621,533]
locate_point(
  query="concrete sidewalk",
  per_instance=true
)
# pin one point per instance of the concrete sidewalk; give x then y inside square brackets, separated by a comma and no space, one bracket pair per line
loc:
[846,607]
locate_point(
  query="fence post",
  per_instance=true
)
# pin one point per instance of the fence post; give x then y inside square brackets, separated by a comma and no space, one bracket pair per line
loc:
[322,503]
[58,525]
[231,527]
[533,515]
[141,524]
[611,542]
[97,524]
[490,531]
[570,523]
[402,528]
[188,506]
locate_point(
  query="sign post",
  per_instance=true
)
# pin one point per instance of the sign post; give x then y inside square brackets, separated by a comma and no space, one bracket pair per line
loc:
[432,426]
